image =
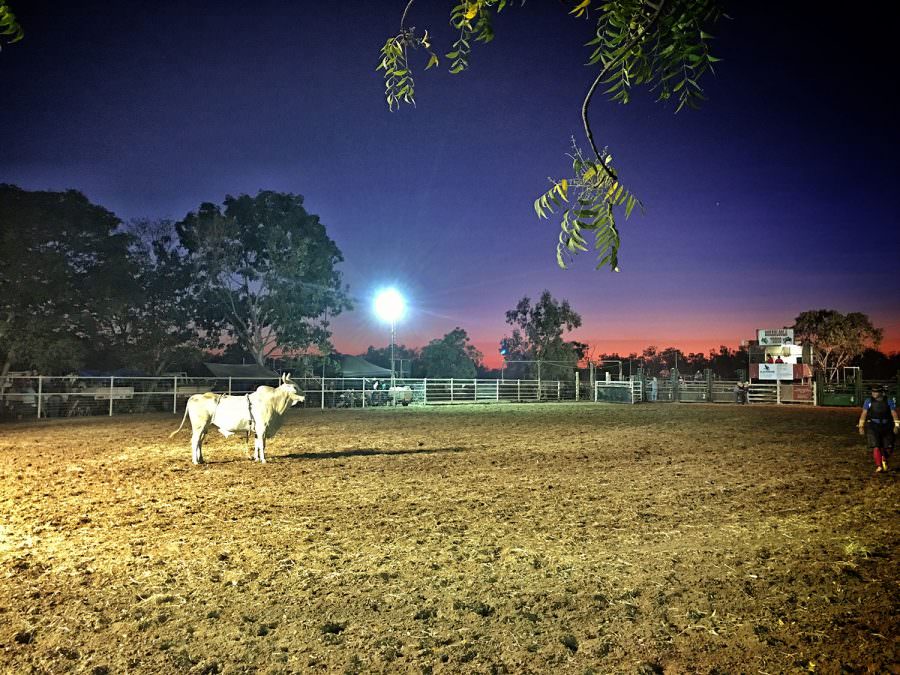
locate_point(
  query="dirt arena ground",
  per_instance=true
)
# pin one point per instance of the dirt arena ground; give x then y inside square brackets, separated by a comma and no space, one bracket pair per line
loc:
[566,538]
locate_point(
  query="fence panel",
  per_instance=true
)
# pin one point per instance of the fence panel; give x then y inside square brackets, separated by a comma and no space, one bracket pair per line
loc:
[666,391]
[486,390]
[796,393]
[616,392]
[723,391]
[693,391]
[762,393]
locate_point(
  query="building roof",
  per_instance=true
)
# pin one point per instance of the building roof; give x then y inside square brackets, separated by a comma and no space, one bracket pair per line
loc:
[356,366]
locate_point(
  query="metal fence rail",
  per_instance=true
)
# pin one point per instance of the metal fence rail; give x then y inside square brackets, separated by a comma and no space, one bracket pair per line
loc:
[31,396]
[27,397]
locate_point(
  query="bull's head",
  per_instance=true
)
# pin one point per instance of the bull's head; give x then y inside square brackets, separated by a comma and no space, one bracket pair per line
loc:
[292,389]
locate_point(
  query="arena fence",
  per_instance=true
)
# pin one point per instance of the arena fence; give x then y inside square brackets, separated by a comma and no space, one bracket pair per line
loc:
[29,396]
[25,396]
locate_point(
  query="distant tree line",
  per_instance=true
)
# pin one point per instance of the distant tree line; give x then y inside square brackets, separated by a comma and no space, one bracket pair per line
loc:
[257,278]
[836,340]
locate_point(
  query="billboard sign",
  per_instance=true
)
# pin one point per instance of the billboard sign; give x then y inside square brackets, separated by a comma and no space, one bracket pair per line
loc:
[776,371]
[775,336]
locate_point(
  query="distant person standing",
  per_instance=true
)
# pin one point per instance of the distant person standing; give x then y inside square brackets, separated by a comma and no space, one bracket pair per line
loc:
[877,422]
[654,388]
[738,392]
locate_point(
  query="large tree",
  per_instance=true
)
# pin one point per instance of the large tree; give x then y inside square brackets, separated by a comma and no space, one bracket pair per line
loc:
[836,339]
[267,271]
[148,320]
[450,356]
[537,336]
[61,259]
[660,44]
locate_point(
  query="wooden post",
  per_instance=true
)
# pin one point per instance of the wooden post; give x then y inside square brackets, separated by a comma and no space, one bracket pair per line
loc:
[111,380]
[451,390]
[39,394]
[577,386]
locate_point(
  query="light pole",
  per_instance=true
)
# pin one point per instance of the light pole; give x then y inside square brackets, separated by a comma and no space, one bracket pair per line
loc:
[389,306]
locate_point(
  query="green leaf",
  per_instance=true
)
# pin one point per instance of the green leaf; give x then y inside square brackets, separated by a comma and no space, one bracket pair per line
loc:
[559,257]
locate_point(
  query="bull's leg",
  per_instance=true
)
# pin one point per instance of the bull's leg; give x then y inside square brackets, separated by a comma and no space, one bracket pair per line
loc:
[197,445]
[259,448]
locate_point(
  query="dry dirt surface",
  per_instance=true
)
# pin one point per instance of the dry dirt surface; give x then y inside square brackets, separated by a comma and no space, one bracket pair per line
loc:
[543,538]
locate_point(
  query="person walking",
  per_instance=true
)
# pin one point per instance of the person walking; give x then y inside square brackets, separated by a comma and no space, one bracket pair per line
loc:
[877,423]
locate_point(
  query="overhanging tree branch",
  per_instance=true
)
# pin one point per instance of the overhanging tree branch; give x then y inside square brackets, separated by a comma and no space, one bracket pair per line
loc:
[642,34]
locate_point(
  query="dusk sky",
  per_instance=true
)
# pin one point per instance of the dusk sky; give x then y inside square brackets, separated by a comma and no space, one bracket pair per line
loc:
[777,197]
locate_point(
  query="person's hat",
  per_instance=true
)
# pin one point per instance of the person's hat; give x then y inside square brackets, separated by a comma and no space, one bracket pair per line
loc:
[877,387]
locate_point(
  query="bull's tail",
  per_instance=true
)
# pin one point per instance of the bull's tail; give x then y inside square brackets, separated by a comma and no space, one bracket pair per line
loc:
[172,435]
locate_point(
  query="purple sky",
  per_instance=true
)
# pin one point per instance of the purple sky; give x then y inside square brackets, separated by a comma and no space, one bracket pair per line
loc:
[777,197]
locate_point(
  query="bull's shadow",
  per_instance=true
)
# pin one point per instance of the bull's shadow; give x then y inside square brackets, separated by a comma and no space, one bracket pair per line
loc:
[366,452]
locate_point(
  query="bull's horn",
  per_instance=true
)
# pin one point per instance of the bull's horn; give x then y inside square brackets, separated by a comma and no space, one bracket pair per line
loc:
[283,380]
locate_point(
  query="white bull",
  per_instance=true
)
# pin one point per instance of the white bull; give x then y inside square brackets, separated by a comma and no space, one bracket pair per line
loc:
[259,413]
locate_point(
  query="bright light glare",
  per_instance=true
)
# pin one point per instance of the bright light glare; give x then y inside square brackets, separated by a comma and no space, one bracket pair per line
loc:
[389,305]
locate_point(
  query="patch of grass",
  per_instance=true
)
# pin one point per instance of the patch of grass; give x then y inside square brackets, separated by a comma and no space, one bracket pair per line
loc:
[854,549]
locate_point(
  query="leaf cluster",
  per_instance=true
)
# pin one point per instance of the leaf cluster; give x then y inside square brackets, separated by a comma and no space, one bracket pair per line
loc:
[10,30]
[662,44]
[399,85]
[473,20]
[594,192]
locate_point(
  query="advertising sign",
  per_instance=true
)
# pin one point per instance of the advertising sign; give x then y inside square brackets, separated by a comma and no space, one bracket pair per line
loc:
[776,371]
[775,336]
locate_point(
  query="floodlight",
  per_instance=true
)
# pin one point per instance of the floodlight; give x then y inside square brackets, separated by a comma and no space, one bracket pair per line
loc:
[389,305]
